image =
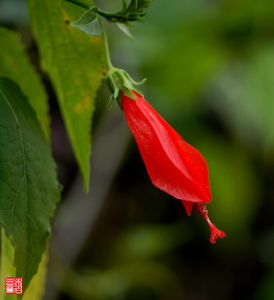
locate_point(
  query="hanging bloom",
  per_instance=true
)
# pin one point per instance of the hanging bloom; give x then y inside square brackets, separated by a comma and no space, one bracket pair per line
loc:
[172,164]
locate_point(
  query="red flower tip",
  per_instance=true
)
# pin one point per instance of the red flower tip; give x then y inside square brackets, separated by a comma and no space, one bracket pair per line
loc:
[214,231]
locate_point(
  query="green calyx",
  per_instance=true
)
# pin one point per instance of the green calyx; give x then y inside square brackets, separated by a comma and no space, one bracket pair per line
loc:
[121,82]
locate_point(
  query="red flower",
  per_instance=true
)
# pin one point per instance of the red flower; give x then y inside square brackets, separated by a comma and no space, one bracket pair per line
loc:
[173,165]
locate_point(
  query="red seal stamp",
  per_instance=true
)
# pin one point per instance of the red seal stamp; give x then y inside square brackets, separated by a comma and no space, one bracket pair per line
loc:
[14,285]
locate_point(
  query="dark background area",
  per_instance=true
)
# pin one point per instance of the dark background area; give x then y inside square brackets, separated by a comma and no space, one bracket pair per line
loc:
[210,72]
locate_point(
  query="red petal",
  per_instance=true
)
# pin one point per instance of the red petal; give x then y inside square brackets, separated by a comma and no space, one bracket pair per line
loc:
[173,165]
[188,207]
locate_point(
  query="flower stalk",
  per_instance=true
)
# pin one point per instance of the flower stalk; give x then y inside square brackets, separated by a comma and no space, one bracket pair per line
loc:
[119,79]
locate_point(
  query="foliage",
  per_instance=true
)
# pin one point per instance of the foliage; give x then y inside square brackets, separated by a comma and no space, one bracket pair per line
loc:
[29,190]
[15,65]
[75,63]
[89,23]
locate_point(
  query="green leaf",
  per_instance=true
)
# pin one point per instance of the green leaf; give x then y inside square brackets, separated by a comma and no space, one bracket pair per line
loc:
[89,23]
[29,189]
[76,65]
[15,65]
[36,288]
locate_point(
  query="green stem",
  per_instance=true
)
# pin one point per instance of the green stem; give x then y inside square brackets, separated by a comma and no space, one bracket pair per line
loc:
[78,3]
[119,79]
[106,14]
[109,16]
[109,63]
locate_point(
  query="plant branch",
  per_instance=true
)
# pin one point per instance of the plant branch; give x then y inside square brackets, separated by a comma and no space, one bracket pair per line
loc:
[134,11]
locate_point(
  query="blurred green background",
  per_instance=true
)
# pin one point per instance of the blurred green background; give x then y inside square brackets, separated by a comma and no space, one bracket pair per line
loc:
[209,66]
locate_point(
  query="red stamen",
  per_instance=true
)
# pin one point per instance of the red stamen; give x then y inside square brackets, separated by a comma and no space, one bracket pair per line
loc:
[214,231]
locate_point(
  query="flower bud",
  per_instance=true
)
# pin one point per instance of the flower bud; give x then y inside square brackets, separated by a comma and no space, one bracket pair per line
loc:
[172,164]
